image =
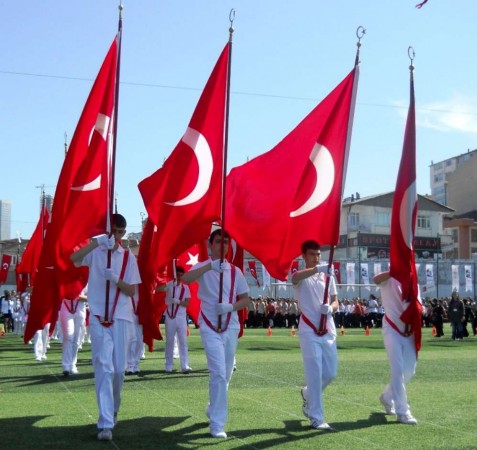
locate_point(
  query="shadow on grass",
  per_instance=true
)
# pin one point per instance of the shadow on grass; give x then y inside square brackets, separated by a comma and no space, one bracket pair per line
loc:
[374,419]
[160,432]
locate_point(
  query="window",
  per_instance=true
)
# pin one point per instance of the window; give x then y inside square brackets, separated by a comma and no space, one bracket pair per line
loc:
[353,220]
[423,222]
[382,218]
[473,235]
[438,177]
[455,235]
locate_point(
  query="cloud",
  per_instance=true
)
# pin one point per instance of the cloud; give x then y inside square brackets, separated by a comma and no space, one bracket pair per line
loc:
[456,114]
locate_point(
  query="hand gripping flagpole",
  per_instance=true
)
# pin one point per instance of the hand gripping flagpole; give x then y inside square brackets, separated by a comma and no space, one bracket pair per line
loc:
[107,320]
[224,166]
[322,330]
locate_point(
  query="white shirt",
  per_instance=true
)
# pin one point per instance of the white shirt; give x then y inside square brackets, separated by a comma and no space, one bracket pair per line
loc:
[391,297]
[97,261]
[209,293]
[181,292]
[309,293]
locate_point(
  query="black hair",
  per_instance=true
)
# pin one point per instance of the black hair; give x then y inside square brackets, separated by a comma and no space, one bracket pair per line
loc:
[309,245]
[119,221]
[180,269]
[216,232]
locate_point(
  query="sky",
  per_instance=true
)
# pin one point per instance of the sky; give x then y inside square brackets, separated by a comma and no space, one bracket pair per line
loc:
[287,56]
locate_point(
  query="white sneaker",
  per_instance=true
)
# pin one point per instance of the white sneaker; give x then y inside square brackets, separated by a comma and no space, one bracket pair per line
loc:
[37,358]
[74,371]
[218,433]
[105,435]
[44,358]
[407,419]
[321,426]
[389,407]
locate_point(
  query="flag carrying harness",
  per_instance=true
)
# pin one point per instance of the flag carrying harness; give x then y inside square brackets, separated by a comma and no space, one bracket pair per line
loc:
[108,323]
[231,298]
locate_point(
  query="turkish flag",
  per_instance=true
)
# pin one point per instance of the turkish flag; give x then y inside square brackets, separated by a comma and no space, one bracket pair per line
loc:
[6,261]
[28,266]
[300,198]
[337,266]
[183,197]
[252,266]
[403,226]
[148,310]
[82,197]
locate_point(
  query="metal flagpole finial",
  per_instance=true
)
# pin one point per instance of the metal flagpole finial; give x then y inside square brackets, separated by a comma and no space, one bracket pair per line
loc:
[360,32]
[231,18]
[412,54]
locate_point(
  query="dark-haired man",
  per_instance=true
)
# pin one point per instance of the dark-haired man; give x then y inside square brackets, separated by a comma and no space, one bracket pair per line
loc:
[318,350]
[219,324]
[110,328]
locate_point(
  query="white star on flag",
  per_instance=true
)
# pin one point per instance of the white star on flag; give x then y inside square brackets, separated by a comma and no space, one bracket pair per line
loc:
[193,259]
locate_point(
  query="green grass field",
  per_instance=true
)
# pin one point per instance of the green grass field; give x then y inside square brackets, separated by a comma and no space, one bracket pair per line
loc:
[40,409]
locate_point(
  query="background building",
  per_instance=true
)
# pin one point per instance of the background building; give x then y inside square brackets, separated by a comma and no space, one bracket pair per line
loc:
[5,219]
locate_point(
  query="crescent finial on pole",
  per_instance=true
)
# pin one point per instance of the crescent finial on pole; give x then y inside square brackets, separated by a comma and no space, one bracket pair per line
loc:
[231,18]
[412,54]
[360,32]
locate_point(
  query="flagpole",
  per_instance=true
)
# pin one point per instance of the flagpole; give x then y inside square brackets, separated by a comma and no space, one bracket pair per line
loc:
[113,157]
[360,32]
[224,166]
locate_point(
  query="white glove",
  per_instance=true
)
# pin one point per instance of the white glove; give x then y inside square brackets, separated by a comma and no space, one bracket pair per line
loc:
[326,309]
[223,308]
[323,268]
[218,266]
[175,301]
[106,241]
[111,276]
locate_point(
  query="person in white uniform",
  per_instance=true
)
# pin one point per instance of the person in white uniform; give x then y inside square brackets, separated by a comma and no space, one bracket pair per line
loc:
[219,324]
[400,348]
[318,347]
[110,327]
[136,344]
[177,301]
[72,318]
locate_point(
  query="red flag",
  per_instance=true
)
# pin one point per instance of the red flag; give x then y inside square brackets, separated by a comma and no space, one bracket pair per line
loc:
[149,313]
[183,197]
[403,226]
[300,196]
[82,196]
[196,253]
[235,254]
[31,256]
[337,266]
[6,261]
[252,267]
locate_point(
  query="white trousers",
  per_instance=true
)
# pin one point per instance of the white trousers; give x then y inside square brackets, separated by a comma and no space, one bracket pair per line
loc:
[179,326]
[109,354]
[136,346]
[402,362]
[220,352]
[320,361]
[71,334]
[40,341]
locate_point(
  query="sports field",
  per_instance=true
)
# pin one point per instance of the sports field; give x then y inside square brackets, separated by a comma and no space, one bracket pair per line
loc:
[40,409]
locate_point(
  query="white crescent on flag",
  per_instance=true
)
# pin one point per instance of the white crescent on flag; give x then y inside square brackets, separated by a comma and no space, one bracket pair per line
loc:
[406,209]
[201,149]
[102,127]
[5,266]
[325,177]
